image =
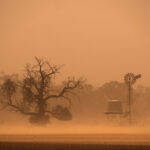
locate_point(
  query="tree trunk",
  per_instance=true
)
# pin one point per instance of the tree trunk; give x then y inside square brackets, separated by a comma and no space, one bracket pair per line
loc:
[40,118]
[41,111]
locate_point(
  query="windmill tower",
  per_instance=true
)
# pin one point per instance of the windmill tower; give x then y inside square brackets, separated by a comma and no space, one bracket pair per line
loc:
[130,79]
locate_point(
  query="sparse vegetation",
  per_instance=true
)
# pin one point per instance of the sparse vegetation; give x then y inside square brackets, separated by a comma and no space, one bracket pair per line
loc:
[36,90]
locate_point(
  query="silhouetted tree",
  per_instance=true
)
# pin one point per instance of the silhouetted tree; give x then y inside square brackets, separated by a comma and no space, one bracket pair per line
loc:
[37,90]
[8,89]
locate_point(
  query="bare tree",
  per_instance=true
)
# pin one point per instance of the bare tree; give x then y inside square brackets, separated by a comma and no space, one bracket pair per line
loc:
[37,90]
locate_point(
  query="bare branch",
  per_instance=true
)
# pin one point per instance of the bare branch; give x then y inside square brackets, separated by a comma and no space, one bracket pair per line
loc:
[53,69]
[70,85]
[31,77]
[40,65]
[21,110]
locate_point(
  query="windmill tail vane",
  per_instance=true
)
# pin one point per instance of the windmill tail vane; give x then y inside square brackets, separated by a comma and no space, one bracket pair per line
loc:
[138,76]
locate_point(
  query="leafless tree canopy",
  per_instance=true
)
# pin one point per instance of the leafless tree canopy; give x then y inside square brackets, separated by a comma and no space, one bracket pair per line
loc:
[37,90]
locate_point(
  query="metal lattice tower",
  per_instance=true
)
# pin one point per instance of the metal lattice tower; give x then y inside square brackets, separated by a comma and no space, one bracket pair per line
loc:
[130,79]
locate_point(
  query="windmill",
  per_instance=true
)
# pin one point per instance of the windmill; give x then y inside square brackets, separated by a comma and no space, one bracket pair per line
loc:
[130,79]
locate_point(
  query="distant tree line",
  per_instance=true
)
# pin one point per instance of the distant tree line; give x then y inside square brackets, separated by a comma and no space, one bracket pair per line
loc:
[94,101]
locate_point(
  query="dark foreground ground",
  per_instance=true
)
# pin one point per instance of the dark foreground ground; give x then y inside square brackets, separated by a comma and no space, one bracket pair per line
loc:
[53,146]
[76,142]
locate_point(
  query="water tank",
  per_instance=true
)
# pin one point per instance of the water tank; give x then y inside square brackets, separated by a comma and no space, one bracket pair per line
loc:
[114,107]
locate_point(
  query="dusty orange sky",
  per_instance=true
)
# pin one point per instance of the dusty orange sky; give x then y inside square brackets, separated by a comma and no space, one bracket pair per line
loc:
[98,39]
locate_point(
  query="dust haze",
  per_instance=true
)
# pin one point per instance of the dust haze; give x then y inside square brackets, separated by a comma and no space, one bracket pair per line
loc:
[88,115]
[100,40]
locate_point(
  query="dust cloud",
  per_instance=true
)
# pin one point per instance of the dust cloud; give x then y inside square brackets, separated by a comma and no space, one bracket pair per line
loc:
[73,129]
[18,124]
